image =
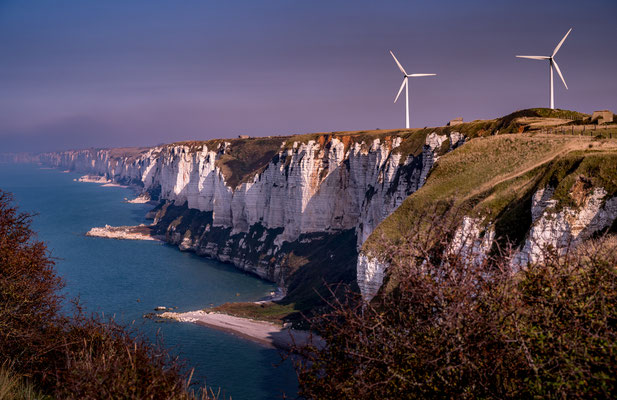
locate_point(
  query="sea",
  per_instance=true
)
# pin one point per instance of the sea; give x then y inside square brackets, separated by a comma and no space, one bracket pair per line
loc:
[126,279]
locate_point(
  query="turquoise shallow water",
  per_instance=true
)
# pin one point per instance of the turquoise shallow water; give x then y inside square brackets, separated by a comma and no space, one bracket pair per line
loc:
[128,278]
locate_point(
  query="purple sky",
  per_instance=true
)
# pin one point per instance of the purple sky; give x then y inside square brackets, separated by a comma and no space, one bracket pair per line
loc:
[80,73]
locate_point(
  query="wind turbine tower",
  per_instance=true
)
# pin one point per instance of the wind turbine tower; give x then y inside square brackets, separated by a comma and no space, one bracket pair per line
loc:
[552,63]
[405,84]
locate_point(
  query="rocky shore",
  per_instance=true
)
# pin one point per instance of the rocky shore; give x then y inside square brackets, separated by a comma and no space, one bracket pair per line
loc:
[141,199]
[93,179]
[139,232]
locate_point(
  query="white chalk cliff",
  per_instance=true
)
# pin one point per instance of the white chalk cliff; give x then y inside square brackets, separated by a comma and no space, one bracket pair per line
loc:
[323,186]
[315,200]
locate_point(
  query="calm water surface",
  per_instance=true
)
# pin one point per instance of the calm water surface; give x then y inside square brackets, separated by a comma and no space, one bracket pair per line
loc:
[129,278]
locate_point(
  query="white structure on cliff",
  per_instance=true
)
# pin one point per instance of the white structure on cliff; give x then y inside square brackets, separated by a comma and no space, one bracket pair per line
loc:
[552,63]
[405,84]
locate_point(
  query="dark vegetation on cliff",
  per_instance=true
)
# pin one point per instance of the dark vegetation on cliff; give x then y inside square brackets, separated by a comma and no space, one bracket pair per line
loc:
[44,352]
[458,328]
[326,260]
[128,152]
[242,159]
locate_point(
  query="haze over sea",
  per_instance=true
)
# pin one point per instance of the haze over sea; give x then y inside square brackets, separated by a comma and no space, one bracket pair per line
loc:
[128,278]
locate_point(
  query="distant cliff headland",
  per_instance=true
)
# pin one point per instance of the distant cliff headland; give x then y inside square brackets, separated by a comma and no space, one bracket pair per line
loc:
[311,209]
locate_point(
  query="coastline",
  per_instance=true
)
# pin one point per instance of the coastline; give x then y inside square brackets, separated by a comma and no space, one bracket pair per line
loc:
[141,199]
[261,332]
[265,333]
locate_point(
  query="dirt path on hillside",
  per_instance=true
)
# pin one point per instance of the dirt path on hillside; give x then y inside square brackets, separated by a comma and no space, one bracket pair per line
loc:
[580,143]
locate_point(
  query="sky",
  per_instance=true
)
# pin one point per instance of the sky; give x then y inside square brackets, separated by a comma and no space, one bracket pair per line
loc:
[91,73]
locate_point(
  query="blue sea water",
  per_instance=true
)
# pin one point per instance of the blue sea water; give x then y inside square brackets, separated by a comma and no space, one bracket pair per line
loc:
[129,278]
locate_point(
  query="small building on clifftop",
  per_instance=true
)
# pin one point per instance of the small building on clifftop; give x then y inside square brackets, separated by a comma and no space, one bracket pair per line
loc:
[455,121]
[602,116]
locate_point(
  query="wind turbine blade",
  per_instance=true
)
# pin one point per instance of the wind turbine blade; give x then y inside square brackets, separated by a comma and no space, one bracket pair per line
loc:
[401,89]
[416,75]
[398,63]
[535,57]
[559,72]
[560,43]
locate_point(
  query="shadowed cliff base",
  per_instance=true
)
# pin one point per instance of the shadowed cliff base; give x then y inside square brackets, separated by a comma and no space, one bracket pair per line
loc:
[309,264]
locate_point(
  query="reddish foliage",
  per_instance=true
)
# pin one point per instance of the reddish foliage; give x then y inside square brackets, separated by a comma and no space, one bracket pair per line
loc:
[455,327]
[69,357]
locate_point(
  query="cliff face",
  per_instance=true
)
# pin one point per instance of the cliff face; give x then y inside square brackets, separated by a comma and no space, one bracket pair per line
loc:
[264,215]
[560,229]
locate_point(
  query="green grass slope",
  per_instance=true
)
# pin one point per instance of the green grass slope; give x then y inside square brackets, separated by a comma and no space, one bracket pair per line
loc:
[494,178]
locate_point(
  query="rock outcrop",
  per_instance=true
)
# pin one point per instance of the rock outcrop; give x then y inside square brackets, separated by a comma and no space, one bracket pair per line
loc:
[561,229]
[139,232]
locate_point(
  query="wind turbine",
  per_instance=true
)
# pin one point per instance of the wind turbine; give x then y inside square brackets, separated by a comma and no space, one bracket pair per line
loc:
[405,83]
[551,63]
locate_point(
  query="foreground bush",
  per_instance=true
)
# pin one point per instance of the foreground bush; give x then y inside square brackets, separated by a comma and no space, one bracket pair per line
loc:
[69,357]
[456,326]
[12,387]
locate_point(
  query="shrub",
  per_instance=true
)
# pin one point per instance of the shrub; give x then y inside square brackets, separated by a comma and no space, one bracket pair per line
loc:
[12,387]
[460,326]
[100,359]
[29,300]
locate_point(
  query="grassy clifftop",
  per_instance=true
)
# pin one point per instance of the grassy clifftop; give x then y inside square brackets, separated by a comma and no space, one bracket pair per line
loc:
[494,178]
[245,157]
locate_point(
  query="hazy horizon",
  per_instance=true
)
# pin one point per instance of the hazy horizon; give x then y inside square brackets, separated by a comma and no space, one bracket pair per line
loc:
[78,74]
